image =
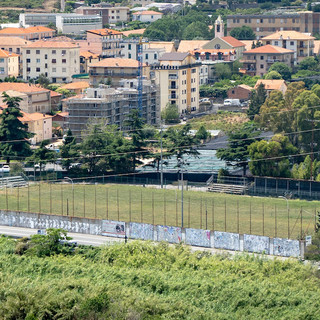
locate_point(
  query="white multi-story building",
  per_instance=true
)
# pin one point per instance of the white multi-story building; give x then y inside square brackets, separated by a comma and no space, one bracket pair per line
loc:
[147,16]
[56,60]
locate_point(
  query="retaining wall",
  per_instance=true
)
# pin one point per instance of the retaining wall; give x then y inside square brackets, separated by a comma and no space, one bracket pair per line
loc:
[133,230]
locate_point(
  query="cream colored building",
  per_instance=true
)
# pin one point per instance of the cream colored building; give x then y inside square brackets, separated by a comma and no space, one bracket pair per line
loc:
[177,76]
[271,85]
[9,64]
[34,98]
[13,44]
[56,60]
[302,44]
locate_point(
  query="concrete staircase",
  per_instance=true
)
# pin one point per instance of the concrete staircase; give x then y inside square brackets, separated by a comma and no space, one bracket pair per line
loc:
[11,182]
[228,188]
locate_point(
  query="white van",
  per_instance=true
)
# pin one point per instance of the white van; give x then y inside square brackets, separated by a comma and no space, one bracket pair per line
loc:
[232,102]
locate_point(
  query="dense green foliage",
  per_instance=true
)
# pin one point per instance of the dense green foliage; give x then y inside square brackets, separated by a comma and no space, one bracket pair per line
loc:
[170,114]
[243,33]
[147,281]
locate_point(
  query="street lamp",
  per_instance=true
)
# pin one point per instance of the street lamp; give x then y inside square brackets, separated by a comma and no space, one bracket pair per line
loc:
[285,198]
[70,180]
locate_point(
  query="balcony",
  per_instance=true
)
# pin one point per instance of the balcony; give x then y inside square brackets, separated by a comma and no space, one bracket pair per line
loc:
[274,60]
[173,76]
[113,74]
[172,97]
[173,87]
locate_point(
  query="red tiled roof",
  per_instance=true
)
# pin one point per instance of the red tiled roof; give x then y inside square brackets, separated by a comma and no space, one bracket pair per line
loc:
[233,41]
[20,87]
[105,32]
[269,49]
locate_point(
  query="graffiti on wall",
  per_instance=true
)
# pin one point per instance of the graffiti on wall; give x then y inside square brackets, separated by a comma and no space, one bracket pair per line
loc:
[169,234]
[142,231]
[286,247]
[198,237]
[112,228]
[226,240]
[253,243]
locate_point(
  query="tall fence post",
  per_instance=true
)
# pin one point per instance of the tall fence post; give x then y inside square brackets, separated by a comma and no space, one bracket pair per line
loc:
[152,207]
[177,208]
[50,194]
[39,196]
[225,215]
[201,213]
[263,218]
[61,198]
[189,212]
[18,199]
[95,200]
[238,217]
[212,215]
[28,197]
[141,207]
[206,216]
[301,237]
[118,206]
[315,219]
[84,200]
[72,201]
[275,221]
[130,205]
[107,202]
[7,205]
[250,213]
[164,209]
[288,211]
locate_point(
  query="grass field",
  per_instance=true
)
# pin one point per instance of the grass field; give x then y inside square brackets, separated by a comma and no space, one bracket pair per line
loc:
[244,214]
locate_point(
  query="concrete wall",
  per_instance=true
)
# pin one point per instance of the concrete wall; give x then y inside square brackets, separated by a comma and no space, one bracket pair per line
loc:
[133,230]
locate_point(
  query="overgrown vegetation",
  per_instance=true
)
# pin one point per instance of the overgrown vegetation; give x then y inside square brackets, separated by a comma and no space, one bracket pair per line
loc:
[146,281]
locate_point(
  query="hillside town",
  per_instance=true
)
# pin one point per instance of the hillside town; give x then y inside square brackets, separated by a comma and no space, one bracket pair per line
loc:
[129,125]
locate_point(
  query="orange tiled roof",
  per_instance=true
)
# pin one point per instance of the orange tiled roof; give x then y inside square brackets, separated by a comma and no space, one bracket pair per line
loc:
[13,41]
[55,94]
[270,84]
[52,44]
[28,117]
[7,54]
[76,85]
[105,32]
[189,45]
[88,54]
[288,35]
[25,30]
[147,12]
[116,62]
[233,41]
[269,49]
[20,87]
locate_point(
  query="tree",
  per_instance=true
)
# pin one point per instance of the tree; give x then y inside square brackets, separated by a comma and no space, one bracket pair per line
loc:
[271,158]
[309,63]
[303,169]
[202,133]
[42,155]
[170,114]
[14,134]
[68,150]
[273,75]
[257,100]
[223,71]
[196,30]
[283,69]
[180,141]
[237,154]
[43,80]
[243,33]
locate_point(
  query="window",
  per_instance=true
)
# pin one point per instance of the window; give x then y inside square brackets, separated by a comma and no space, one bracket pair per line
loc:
[46,56]
[64,60]
[258,29]
[147,56]
[54,61]
[10,49]
[54,69]
[217,46]
[54,51]
[291,43]
[261,66]
[38,60]
[129,55]
[28,69]
[1,60]
[155,56]
[46,65]
[37,69]
[276,43]
[63,52]
[64,69]
[261,57]
[37,51]
[129,46]
[28,51]
[193,71]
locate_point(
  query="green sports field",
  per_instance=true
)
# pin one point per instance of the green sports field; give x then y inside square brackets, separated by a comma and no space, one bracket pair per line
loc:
[232,213]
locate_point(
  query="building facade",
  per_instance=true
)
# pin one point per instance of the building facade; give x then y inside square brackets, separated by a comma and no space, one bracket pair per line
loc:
[30,33]
[113,70]
[9,64]
[113,104]
[177,76]
[56,60]
[146,16]
[241,92]
[271,85]
[109,41]
[302,44]
[256,62]
[110,15]
[266,24]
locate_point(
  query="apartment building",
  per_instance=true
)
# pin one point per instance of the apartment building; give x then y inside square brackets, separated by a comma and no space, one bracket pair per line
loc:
[178,78]
[86,58]
[13,44]
[266,24]
[34,98]
[114,70]
[271,85]
[56,60]
[147,16]
[9,64]
[256,62]
[302,44]
[30,33]
[110,15]
[113,104]
[108,39]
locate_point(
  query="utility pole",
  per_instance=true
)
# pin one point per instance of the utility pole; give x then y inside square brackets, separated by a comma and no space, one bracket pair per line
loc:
[181,163]
[161,156]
